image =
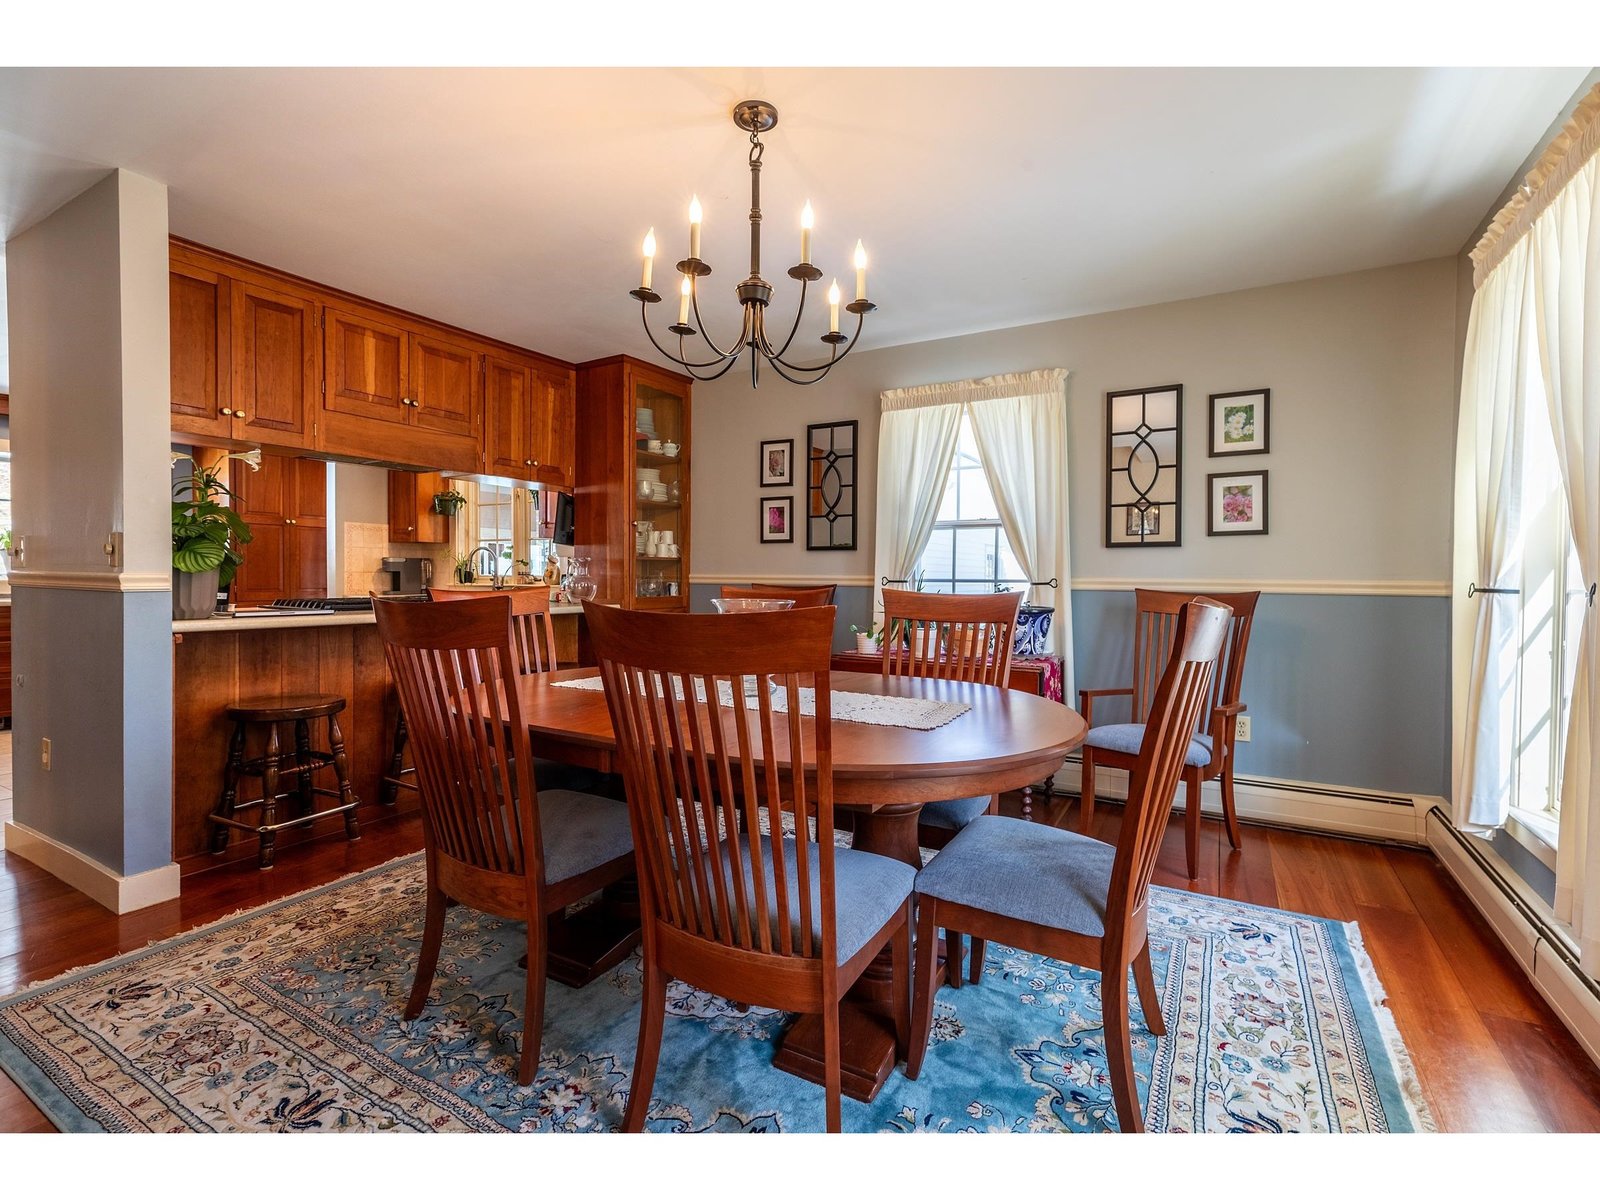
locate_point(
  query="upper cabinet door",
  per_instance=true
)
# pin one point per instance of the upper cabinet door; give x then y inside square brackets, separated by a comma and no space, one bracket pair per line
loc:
[364,364]
[508,405]
[444,386]
[201,382]
[274,365]
[553,447]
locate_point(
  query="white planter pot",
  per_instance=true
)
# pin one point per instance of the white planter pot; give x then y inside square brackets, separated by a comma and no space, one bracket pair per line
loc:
[865,644]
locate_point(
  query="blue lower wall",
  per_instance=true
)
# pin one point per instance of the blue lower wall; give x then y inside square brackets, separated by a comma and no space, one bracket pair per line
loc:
[1348,691]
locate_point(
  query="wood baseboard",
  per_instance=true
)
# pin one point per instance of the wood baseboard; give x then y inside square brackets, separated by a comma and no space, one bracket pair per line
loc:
[120,893]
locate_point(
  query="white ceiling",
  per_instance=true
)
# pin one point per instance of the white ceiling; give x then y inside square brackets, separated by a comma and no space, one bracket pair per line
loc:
[512,202]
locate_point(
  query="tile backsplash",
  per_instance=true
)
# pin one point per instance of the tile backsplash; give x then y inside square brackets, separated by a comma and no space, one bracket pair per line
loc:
[366,545]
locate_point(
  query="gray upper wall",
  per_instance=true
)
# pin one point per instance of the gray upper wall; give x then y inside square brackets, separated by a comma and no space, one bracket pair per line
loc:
[1361,369]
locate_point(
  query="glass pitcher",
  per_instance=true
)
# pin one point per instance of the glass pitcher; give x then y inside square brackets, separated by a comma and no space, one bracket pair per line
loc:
[581,585]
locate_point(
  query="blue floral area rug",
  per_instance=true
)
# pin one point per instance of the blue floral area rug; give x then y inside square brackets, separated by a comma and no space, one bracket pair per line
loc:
[288,1018]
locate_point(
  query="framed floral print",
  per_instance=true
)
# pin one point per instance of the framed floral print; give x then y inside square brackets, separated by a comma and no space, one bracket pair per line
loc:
[777,518]
[1239,422]
[777,463]
[1238,503]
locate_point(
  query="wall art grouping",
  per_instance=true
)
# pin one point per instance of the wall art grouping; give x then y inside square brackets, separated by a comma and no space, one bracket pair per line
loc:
[830,453]
[1144,465]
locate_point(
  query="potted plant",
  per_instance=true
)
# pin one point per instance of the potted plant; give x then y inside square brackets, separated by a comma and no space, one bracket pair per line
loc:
[463,569]
[448,503]
[866,639]
[206,536]
[5,551]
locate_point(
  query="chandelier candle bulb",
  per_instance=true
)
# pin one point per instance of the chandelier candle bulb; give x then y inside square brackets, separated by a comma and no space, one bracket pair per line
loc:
[806,219]
[683,303]
[833,307]
[695,216]
[649,257]
[861,271]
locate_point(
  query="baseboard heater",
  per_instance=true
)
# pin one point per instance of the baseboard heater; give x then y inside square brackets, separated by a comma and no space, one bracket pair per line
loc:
[1539,947]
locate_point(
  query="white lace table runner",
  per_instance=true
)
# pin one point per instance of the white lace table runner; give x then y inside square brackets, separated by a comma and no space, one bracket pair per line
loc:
[906,712]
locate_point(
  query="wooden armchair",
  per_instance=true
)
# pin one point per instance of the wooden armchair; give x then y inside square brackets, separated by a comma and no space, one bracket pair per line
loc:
[1210,755]
[1070,897]
[763,918]
[492,839]
[803,597]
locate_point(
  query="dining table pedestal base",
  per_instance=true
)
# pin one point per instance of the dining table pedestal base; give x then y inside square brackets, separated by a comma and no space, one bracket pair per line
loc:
[867,1049]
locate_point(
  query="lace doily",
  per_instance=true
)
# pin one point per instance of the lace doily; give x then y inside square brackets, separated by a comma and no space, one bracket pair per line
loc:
[905,712]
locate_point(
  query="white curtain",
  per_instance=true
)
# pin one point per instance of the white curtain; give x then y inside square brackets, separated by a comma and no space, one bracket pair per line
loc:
[1564,251]
[1022,438]
[916,441]
[1489,486]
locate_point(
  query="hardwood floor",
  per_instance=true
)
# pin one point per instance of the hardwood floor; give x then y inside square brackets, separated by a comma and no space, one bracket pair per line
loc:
[1490,1054]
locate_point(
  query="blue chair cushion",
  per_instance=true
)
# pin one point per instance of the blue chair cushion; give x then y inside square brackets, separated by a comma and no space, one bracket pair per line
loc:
[954,814]
[1035,873]
[580,832]
[1125,739]
[869,889]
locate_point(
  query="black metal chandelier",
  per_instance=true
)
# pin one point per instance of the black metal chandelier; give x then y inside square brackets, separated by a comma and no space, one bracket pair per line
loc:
[755,117]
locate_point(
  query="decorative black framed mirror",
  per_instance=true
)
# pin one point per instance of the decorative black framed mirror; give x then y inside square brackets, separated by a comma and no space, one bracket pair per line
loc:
[1144,469]
[831,451]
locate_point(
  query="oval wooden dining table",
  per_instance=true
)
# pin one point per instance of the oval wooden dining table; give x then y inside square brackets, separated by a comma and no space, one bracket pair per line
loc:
[883,774]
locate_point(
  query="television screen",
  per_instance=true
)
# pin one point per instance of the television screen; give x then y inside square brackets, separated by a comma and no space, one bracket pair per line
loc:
[562,533]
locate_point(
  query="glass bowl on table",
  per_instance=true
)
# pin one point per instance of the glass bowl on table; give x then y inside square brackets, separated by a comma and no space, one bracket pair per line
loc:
[751,688]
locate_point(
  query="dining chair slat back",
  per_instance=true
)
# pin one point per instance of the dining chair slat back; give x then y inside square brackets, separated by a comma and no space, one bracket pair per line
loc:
[533,632]
[803,597]
[468,741]
[730,904]
[1156,625]
[937,635]
[1179,700]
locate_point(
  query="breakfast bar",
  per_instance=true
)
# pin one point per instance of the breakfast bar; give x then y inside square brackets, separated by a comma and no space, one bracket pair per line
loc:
[227,659]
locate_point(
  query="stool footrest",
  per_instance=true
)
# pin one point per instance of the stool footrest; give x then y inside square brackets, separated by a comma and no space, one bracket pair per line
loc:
[291,823]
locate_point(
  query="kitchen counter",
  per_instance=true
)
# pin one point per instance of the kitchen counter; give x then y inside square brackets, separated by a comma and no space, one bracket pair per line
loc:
[293,619]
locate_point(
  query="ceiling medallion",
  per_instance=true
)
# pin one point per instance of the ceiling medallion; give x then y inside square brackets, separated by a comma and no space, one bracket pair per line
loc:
[755,117]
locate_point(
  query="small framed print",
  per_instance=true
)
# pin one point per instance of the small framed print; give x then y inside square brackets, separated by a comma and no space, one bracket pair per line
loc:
[777,518]
[1239,422]
[777,463]
[1238,503]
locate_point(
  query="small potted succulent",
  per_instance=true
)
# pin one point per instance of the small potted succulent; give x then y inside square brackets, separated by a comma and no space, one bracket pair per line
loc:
[867,639]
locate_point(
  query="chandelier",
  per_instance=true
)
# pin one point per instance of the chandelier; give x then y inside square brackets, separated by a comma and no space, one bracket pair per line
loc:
[755,117]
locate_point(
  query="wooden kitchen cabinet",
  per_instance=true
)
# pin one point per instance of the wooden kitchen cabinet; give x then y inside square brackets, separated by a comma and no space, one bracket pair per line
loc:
[243,360]
[411,515]
[529,421]
[397,394]
[611,451]
[286,506]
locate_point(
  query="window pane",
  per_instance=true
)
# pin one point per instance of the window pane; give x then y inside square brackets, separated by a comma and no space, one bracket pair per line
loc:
[949,510]
[975,552]
[936,560]
[977,502]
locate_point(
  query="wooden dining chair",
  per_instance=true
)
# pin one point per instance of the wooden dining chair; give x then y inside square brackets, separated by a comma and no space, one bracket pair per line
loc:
[532,628]
[938,635]
[492,840]
[803,597]
[1069,897]
[787,922]
[1211,754]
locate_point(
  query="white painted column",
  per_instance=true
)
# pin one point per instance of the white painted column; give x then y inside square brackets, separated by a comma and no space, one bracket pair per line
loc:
[91,610]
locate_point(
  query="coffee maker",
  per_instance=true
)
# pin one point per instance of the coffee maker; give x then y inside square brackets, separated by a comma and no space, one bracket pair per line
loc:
[408,576]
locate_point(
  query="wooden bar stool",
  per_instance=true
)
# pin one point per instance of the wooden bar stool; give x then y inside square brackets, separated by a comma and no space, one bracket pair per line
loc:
[278,765]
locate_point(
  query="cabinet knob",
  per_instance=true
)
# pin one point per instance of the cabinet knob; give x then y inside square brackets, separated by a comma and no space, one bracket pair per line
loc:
[409,528]
[227,412]
[527,462]
[535,462]
[288,520]
[239,412]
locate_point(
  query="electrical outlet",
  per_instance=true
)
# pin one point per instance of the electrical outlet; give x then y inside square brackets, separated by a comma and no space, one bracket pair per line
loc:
[1241,729]
[44,753]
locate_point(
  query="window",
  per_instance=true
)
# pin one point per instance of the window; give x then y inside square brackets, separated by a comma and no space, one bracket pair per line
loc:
[968,551]
[505,519]
[1551,604]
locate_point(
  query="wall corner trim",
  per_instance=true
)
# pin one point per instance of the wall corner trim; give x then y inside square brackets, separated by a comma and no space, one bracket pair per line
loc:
[92,581]
[119,893]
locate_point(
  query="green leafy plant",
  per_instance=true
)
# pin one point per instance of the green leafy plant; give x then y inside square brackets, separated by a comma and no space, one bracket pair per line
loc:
[448,503]
[5,539]
[463,569]
[206,533]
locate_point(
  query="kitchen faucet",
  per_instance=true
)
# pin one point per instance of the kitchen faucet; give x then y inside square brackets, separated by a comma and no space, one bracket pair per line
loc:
[494,559]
